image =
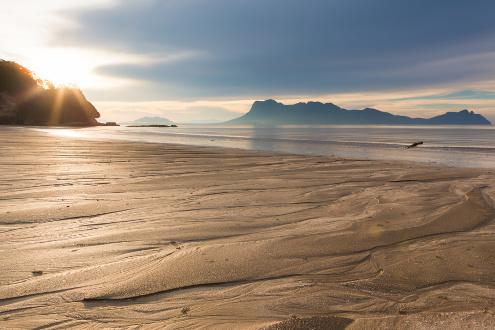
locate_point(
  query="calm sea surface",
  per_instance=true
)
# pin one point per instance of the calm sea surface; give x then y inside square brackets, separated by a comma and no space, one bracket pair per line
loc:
[464,146]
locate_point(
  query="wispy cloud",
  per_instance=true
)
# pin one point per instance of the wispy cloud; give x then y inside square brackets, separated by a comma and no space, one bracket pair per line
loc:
[468,94]
[255,47]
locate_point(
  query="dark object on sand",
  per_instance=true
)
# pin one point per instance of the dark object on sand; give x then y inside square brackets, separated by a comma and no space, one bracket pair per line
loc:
[37,272]
[414,145]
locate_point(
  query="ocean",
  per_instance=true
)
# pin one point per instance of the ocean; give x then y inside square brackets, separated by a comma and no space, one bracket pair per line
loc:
[461,146]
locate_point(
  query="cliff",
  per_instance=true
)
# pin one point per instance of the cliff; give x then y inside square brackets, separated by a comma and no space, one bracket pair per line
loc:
[27,100]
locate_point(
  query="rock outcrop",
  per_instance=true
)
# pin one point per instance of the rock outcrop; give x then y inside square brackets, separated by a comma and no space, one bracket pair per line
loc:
[27,100]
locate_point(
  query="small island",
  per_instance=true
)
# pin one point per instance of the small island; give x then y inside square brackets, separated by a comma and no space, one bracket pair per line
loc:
[27,100]
[151,122]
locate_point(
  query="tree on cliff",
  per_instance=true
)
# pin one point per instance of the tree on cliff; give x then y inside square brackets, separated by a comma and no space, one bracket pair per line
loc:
[28,100]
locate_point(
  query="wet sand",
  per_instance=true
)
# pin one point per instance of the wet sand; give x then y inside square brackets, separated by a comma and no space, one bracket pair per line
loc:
[100,234]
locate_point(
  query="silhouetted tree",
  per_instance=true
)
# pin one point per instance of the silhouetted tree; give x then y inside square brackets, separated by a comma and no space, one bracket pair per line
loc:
[16,79]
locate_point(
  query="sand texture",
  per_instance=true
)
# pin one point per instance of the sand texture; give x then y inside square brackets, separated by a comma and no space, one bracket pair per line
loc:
[101,234]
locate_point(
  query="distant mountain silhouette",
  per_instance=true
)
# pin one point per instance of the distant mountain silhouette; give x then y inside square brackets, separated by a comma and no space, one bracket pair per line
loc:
[271,112]
[27,100]
[150,121]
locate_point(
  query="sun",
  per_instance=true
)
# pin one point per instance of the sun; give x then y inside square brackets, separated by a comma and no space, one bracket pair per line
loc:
[77,67]
[66,67]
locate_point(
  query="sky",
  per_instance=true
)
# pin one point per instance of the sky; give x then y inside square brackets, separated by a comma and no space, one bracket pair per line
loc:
[208,60]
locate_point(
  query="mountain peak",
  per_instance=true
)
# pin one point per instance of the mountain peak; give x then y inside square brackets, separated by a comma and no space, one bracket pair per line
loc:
[271,112]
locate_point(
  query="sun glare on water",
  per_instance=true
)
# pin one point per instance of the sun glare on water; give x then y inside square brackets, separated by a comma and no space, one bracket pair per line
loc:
[68,133]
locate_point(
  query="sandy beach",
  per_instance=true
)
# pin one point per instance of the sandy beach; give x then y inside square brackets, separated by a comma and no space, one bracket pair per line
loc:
[103,234]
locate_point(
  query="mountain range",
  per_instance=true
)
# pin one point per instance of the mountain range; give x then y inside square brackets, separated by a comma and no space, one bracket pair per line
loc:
[271,112]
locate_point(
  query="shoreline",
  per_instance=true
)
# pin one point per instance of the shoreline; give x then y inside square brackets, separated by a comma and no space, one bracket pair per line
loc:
[125,233]
[463,156]
[269,152]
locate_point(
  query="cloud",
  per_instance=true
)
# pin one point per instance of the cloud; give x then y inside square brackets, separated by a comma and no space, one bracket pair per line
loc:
[256,48]
[457,95]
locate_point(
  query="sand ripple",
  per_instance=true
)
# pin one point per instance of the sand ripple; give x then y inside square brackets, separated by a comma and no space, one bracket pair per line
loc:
[115,234]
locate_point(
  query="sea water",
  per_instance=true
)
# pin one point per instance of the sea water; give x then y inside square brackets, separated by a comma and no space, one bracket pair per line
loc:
[462,146]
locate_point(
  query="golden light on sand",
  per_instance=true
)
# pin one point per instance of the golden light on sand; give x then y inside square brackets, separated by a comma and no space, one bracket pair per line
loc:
[68,133]
[174,236]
